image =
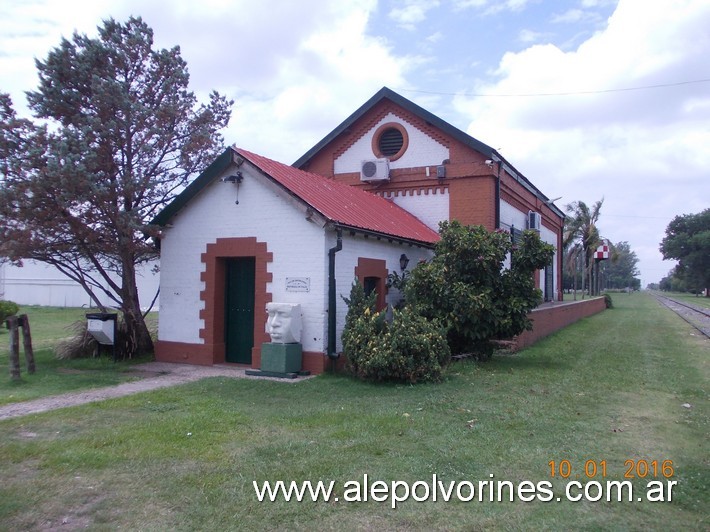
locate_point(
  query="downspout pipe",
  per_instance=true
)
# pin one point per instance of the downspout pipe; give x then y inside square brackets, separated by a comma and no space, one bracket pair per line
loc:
[497,200]
[332,296]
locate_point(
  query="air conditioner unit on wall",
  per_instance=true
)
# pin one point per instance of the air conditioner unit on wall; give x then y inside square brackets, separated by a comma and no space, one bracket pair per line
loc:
[375,170]
[534,220]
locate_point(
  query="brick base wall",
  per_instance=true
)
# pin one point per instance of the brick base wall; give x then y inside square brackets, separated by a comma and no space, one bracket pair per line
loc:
[202,355]
[547,319]
[553,317]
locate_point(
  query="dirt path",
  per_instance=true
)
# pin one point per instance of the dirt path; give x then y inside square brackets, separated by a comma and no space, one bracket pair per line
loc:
[157,375]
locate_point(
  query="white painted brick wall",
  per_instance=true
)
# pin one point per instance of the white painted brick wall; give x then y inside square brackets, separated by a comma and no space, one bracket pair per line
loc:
[36,283]
[551,238]
[300,249]
[297,246]
[431,205]
[346,260]
[509,216]
[422,150]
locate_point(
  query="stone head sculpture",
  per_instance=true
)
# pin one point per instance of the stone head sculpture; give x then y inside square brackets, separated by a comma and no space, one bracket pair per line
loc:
[284,322]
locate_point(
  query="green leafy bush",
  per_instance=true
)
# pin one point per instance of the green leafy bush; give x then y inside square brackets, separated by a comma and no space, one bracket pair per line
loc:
[413,349]
[7,309]
[409,349]
[468,289]
[358,302]
[362,323]
[607,301]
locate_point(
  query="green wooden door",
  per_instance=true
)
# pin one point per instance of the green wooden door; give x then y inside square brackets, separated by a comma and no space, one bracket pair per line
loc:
[239,311]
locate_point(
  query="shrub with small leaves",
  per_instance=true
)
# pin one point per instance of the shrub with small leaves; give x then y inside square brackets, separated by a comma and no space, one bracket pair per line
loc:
[358,302]
[608,301]
[409,349]
[7,309]
[412,349]
[361,324]
[468,289]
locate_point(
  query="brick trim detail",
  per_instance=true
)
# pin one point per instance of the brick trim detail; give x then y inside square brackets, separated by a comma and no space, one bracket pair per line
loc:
[215,261]
[378,113]
[412,191]
[201,355]
[373,268]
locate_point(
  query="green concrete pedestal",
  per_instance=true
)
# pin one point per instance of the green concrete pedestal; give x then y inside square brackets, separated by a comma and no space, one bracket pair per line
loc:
[281,358]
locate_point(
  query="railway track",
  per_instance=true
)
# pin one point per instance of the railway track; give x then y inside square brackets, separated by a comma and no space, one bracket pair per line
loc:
[696,316]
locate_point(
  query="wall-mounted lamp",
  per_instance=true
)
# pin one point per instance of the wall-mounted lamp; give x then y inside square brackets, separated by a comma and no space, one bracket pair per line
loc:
[234,178]
[403,261]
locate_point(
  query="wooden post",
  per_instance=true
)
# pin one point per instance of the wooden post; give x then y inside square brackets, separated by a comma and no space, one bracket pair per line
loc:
[11,324]
[27,343]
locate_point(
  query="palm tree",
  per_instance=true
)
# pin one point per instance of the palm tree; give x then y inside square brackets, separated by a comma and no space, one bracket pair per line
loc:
[572,252]
[582,228]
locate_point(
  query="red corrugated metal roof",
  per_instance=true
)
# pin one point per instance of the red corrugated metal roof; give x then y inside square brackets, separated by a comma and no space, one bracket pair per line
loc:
[343,204]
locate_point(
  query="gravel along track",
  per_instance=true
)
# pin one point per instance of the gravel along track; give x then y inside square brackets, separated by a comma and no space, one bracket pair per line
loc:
[698,317]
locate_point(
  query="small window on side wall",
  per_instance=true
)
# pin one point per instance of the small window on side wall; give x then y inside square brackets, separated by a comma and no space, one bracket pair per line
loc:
[372,273]
[370,285]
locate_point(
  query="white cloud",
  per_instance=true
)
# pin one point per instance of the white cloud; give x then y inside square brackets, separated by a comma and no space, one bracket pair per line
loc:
[597,3]
[490,7]
[315,86]
[644,150]
[529,36]
[434,37]
[294,69]
[572,15]
[466,4]
[412,12]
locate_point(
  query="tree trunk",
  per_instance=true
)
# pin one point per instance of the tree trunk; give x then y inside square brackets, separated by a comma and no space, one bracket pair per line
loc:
[574,280]
[591,277]
[138,337]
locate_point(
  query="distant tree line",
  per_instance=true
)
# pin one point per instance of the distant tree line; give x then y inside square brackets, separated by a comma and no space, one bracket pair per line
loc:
[687,240]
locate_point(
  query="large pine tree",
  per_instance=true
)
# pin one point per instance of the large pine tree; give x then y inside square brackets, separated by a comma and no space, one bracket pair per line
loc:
[117,135]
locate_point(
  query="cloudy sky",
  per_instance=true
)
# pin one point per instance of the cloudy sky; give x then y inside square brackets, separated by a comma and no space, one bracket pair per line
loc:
[589,99]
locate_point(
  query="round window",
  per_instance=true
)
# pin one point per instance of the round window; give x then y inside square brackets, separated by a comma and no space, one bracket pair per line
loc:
[390,141]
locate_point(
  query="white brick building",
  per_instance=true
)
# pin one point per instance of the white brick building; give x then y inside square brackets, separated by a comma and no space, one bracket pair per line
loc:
[249,230]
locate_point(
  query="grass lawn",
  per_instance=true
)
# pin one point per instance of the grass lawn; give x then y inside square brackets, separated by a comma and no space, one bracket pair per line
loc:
[608,389]
[53,376]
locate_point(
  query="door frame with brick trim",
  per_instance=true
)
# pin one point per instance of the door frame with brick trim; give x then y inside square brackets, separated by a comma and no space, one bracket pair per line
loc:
[214,276]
